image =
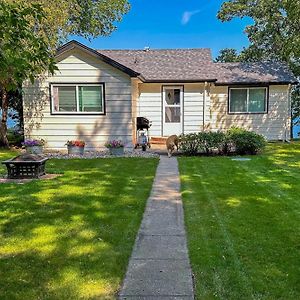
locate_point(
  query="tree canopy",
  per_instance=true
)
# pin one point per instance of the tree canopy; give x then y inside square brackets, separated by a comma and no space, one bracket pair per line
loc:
[228,55]
[30,32]
[86,18]
[24,51]
[274,34]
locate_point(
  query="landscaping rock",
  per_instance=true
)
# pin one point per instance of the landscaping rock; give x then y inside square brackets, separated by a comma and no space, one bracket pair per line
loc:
[101,154]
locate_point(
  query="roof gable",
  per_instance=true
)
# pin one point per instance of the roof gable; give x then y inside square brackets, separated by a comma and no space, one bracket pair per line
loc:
[74,44]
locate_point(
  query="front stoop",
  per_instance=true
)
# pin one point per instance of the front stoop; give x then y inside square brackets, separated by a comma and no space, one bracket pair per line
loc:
[159,267]
[158,140]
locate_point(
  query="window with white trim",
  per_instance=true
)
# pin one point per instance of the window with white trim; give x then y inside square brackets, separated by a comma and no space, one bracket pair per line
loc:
[248,100]
[77,98]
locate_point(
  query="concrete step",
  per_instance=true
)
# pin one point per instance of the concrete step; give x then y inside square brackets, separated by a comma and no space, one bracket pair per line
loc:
[158,140]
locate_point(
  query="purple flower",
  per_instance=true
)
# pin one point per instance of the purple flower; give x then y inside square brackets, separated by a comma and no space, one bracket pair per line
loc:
[32,143]
[114,144]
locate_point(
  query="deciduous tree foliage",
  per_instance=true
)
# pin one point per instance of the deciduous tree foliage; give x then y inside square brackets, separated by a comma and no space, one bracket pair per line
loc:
[24,52]
[274,33]
[86,18]
[228,55]
[31,30]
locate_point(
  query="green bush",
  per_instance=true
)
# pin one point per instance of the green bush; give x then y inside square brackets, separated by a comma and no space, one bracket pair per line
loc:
[238,140]
[189,143]
[244,141]
[210,141]
[15,137]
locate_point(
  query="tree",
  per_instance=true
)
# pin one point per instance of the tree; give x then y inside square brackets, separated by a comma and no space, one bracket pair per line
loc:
[24,52]
[86,18]
[274,34]
[50,24]
[227,55]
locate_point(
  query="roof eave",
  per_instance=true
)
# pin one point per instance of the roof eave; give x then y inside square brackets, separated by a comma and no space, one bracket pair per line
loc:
[74,44]
[257,83]
[179,80]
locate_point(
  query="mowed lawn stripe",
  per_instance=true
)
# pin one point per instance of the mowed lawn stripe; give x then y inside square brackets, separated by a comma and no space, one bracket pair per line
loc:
[242,219]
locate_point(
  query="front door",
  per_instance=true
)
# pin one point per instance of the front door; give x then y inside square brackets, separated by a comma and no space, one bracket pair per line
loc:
[172,110]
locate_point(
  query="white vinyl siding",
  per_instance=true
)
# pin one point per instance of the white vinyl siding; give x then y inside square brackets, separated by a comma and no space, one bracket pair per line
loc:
[274,125]
[193,107]
[150,106]
[78,68]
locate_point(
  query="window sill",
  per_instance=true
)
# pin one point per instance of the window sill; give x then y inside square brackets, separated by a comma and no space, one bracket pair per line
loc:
[247,113]
[78,113]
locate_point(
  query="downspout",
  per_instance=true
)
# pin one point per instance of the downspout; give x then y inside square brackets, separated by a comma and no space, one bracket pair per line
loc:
[290,126]
[204,105]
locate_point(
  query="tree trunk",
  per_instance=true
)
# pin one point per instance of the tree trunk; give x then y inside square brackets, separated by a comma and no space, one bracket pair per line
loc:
[3,124]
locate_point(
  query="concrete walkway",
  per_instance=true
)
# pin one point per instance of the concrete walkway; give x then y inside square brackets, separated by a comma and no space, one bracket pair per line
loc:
[159,267]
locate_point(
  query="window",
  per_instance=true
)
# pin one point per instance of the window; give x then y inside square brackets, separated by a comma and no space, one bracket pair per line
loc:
[172,104]
[81,98]
[248,100]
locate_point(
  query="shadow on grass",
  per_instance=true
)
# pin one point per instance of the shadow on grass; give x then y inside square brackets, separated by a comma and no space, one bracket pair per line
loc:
[242,220]
[71,237]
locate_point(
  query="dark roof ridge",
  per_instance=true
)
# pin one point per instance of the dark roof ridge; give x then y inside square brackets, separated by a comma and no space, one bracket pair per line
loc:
[253,62]
[157,49]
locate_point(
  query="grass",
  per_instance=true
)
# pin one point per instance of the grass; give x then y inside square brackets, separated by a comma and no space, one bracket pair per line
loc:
[71,237]
[243,220]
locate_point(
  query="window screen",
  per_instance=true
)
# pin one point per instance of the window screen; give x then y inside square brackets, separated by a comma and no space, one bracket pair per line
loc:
[78,98]
[238,100]
[247,100]
[90,98]
[65,98]
[257,100]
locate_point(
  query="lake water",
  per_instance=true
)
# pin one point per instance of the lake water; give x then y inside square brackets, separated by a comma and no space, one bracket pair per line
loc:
[296,130]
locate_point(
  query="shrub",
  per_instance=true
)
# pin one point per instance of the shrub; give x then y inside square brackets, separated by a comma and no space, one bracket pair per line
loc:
[235,139]
[189,143]
[244,141]
[210,141]
[15,137]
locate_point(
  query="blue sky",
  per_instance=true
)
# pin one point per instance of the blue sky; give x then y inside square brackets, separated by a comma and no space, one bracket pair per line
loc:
[174,24]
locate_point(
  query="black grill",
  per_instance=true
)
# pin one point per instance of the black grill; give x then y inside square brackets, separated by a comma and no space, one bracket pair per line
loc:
[142,123]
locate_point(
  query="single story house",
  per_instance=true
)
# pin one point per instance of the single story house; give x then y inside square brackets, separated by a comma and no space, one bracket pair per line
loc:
[96,95]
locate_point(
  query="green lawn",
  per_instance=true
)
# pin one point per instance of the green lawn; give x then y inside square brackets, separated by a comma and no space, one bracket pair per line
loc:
[71,237]
[243,224]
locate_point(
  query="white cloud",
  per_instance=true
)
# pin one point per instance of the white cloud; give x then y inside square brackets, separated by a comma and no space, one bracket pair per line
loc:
[187,15]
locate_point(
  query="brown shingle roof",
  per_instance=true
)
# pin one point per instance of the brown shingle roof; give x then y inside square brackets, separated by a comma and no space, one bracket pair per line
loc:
[179,65]
[167,64]
[197,65]
[257,72]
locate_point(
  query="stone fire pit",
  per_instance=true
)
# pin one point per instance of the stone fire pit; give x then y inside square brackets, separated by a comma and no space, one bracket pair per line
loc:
[25,166]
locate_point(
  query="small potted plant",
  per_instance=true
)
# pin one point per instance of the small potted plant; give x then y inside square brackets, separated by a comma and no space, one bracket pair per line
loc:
[75,147]
[115,147]
[34,146]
